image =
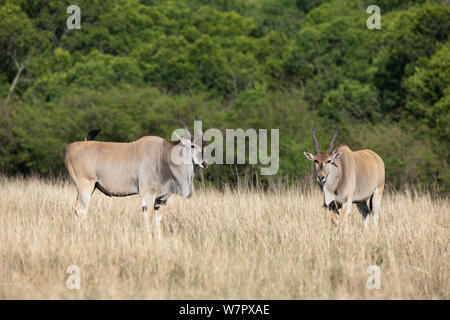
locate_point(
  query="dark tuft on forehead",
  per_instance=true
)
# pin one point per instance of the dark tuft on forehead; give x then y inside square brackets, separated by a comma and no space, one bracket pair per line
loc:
[322,156]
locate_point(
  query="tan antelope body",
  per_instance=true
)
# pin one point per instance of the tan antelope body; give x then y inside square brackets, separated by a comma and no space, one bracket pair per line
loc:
[145,167]
[348,177]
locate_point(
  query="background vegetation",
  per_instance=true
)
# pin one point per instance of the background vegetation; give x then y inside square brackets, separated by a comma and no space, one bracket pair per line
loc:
[284,64]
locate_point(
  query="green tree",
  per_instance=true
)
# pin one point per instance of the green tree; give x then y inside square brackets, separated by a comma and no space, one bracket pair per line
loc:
[98,70]
[410,36]
[351,101]
[428,96]
[19,43]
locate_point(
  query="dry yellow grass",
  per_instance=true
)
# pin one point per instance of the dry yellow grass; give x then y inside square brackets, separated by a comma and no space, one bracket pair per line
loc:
[230,245]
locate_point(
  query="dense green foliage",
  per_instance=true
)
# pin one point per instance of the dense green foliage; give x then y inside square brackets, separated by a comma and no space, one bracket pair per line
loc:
[135,64]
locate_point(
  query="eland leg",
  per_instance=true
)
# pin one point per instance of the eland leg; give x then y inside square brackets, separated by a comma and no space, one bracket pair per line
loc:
[159,208]
[364,210]
[346,210]
[85,190]
[334,213]
[377,195]
[146,200]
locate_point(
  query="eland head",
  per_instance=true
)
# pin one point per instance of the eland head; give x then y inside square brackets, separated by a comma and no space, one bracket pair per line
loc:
[323,161]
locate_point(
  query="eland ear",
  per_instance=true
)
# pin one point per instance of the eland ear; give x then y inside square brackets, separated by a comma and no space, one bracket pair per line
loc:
[185,142]
[336,155]
[175,139]
[308,155]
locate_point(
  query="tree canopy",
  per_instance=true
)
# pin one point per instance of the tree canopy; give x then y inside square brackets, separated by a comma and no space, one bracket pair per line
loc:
[135,64]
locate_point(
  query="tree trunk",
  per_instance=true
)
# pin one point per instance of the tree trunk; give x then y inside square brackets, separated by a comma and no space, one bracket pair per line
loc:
[20,67]
[14,83]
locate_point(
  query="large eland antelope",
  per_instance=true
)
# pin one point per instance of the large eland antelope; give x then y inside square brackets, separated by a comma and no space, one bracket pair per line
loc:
[149,167]
[347,177]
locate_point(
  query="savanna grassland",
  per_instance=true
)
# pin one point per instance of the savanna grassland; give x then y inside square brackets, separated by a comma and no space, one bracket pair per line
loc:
[231,244]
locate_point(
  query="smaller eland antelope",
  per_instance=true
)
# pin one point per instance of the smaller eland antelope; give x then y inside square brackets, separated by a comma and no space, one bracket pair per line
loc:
[149,167]
[347,177]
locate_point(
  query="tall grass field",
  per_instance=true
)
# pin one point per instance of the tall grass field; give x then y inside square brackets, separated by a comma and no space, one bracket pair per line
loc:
[232,244]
